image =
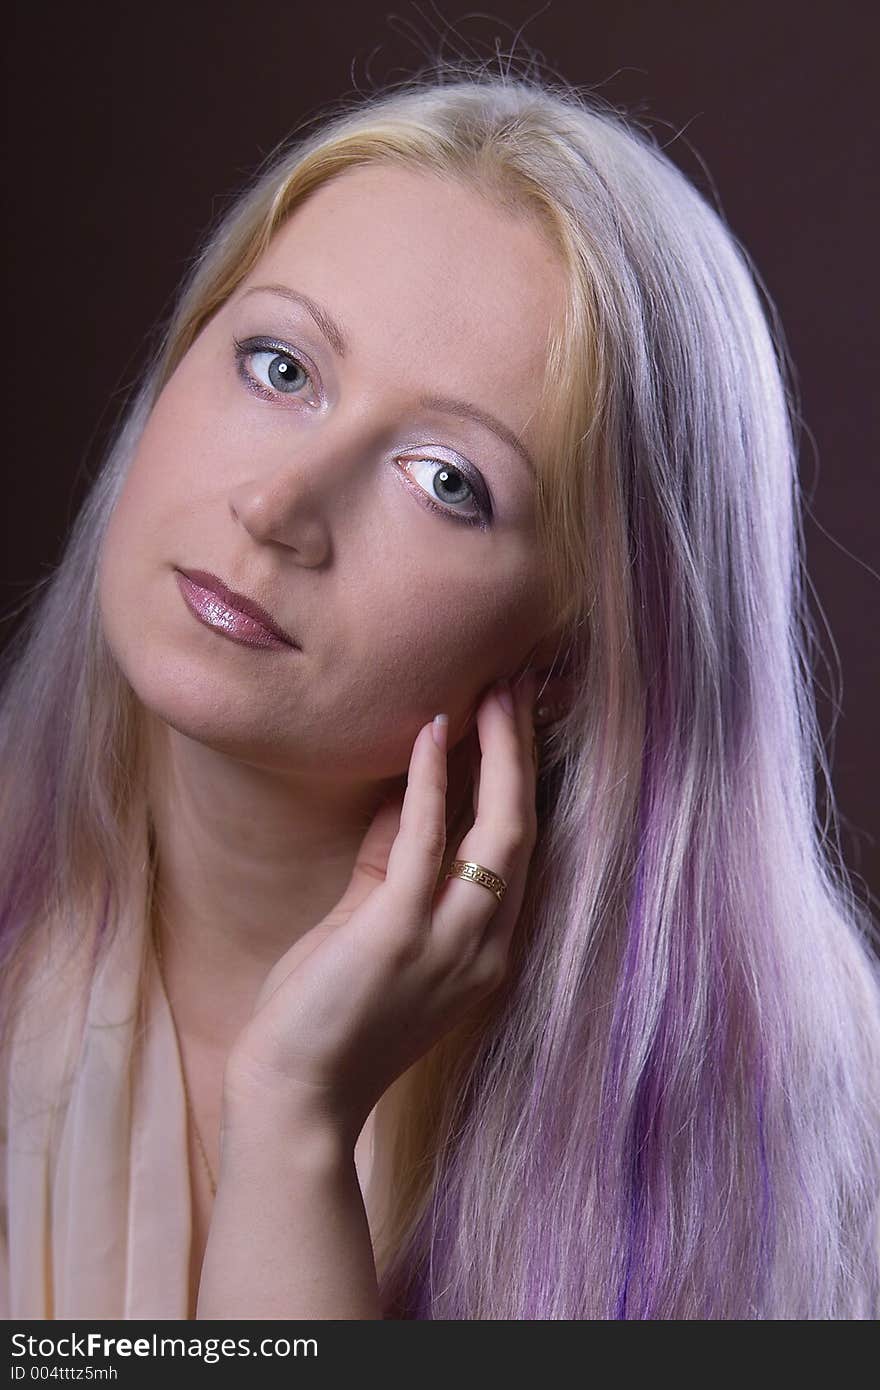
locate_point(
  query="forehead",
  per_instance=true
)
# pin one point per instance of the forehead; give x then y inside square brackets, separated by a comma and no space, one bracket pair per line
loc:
[423,271]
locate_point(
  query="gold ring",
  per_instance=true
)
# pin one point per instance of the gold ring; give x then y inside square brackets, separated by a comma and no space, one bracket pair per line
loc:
[465,868]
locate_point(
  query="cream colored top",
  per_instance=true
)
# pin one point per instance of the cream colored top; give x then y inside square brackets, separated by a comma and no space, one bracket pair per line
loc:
[95,1210]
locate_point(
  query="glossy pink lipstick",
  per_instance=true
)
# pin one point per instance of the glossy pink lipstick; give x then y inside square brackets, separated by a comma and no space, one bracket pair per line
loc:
[234,615]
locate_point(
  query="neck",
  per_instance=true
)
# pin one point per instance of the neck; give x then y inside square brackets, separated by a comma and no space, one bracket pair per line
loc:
[243,867]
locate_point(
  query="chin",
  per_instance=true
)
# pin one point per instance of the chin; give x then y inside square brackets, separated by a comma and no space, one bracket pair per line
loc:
[177,690]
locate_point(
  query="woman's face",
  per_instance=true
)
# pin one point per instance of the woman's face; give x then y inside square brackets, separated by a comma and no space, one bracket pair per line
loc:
[304,476]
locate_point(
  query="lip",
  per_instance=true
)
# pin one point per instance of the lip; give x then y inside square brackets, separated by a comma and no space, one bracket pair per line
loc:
[233,614]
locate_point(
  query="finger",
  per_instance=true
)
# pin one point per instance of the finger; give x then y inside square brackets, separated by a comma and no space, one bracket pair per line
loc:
[417,853]
[499,838]
[371,864]
[475,773]
[505,776]
[460,774]
[524,692]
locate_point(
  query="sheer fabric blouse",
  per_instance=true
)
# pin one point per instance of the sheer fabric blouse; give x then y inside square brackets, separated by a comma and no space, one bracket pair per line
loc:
[95,1202]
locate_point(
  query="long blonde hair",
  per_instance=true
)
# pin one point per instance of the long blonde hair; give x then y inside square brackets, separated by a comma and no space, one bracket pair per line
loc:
[670,1108]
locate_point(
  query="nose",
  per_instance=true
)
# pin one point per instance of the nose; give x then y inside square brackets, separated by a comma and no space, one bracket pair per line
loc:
[279,509]
[290,501]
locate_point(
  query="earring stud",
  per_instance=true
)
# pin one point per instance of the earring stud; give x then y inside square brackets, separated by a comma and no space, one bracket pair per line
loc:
[547,713]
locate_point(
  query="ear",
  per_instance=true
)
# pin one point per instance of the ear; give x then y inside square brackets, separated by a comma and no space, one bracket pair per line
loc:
[555,686]
[553,695]
[553,649]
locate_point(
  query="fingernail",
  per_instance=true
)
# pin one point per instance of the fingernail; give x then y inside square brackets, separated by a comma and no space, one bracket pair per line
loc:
[440,729]
[503,696]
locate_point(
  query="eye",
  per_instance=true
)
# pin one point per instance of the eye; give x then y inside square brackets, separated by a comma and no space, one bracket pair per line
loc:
[451,486]
[457,491]
[284,372]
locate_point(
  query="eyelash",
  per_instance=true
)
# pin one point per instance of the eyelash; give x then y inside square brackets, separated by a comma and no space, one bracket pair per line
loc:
[251,346]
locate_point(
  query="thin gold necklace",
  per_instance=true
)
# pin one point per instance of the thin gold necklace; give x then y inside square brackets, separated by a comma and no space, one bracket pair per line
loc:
[189,1105]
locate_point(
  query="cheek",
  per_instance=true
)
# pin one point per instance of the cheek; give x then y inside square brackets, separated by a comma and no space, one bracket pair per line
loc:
[143,532]
[154,510]
[436,643]
[184,437]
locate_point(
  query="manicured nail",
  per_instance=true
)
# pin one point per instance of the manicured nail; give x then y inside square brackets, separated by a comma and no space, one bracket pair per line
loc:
[440,729]
[503,695]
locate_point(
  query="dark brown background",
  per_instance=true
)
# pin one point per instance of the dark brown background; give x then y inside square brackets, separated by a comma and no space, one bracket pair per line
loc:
[128,130]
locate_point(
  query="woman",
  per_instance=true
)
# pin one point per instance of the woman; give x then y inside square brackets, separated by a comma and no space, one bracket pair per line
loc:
[317,1007]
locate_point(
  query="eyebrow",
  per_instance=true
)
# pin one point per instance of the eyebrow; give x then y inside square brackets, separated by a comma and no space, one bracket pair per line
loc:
[447,405]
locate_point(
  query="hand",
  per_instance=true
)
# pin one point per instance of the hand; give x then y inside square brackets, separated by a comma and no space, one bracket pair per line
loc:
[398,961]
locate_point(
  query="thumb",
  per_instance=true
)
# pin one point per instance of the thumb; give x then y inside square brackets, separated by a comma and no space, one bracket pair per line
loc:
[368,872]
[371,862]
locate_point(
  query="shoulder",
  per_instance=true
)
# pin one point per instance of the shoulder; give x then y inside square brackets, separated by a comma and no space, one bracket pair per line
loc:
[45,1004]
